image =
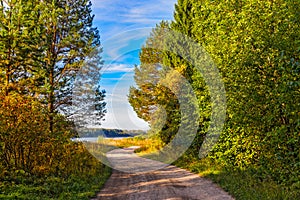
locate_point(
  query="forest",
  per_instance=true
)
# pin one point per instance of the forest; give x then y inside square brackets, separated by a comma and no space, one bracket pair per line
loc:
[43,45]
[255,46]
[47,48]
[110,133]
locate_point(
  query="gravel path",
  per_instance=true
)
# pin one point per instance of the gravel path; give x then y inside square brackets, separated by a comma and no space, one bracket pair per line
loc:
[168,182]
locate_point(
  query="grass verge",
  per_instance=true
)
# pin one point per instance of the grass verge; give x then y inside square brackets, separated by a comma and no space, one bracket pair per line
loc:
[147,145]
[74,187]
[241,184]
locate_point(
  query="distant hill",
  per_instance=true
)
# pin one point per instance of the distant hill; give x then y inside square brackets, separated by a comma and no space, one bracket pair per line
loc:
[110,133]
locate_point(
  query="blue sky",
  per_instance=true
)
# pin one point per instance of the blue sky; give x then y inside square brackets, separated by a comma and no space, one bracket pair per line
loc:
[124,26]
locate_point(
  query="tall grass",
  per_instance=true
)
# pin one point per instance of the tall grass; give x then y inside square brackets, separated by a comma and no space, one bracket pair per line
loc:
[146,145]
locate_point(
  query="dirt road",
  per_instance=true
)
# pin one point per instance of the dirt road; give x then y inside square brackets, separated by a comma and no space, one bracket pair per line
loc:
[169,182]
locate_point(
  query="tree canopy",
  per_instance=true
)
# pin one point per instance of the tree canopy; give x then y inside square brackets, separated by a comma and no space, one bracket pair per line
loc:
[255,46]
[44,45]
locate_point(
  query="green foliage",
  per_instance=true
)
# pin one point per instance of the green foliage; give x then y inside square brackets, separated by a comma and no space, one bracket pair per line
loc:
[74,187]
[70,40]
[23,132]
[258,55]
[255,45]
[19,45]
[37,164]
[153,95]
[241,184]
[88,106]
[27,145]
[144,98]
[43,44]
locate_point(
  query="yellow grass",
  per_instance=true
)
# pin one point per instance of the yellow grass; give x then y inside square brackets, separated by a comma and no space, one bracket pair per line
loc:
[147,145]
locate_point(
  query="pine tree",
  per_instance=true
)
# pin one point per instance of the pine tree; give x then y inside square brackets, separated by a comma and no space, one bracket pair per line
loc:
[153,95]
[19,44]
[180,57]
[43,45]
[88,106]
[70,39]
[184,17]
[148,74]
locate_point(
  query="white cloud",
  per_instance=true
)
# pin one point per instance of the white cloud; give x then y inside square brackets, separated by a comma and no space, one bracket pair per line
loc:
[121,21]
[127,120]
[112,68]
[114,16]
[123,25]
[119,112]
[130,11]
[122,43]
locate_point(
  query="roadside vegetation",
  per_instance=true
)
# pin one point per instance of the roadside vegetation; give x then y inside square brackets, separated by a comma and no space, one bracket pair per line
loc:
[255,45]
[242,184]
[146,144]
[43,46]
[77,185]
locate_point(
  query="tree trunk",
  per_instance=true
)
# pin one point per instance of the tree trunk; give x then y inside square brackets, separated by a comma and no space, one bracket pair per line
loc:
[51,63]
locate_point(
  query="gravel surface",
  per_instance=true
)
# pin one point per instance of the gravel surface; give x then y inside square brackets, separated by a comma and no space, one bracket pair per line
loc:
[166,182]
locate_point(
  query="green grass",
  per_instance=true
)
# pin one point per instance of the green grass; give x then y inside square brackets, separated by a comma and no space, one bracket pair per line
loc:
[241,184]
[70,188]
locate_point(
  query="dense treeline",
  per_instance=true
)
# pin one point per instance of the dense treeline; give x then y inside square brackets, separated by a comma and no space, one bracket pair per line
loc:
[43,45]
[103,132]
[255,46]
